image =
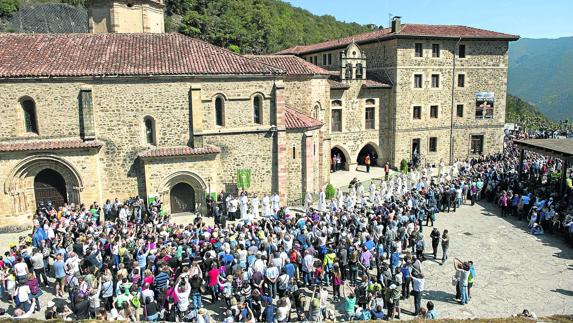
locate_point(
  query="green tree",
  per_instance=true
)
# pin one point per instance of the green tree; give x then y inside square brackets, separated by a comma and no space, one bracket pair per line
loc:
[8,7]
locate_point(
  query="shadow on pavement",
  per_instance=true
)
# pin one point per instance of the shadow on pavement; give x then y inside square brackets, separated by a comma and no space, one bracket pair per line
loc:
[557,240]
[438,295]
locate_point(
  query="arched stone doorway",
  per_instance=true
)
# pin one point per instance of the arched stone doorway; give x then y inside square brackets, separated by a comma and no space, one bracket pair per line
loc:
[182,198]
[180,187]
[21,182]
[340,154]
[368,149]
[50,188]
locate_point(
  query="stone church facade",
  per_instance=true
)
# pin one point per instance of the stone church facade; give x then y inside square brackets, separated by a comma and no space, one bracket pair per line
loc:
[87,117]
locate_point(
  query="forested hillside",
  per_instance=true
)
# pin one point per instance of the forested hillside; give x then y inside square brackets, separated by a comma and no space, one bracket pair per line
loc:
[523,113]
[255,26]
[541,72]
[246,26]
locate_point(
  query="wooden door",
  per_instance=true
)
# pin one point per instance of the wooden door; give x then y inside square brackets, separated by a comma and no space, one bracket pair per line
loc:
[50,187]
[182,198]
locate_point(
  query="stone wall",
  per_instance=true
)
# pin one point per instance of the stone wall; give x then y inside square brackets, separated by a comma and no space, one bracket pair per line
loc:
[295,155]
[202,172]
[485,70]
[354,135]
[18,170]
[119,108]
[119,17]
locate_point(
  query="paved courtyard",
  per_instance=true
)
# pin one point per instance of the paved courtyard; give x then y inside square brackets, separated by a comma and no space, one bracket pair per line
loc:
[515,270]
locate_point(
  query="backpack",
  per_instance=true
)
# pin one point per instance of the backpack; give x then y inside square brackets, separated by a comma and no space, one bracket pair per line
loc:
[135,302]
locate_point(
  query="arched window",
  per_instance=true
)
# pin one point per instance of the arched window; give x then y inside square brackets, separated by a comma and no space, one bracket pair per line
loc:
[258,110]
[316,112]
[219,111]
[359,71]
[349,71]
[149,130]
[30,120]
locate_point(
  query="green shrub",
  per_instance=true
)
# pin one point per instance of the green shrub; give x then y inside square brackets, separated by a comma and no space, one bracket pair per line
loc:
[330,191]
[234,49]
[404,166]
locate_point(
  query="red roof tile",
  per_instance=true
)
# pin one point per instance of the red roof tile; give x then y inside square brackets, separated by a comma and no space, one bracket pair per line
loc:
[179,151]
[53,55]
[407,30]
[51,144]
[292,65]
[335,85]
[371,84]
[295,119]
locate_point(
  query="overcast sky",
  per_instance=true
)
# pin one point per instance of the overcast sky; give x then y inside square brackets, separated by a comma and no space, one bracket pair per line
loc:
[527,18]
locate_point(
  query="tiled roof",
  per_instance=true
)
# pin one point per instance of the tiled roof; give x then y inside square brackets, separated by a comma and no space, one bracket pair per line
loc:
[53,55]
[335,85]
[51,144]
[292,65]
[295,119]
[371,84]
[407,30]
[179,151]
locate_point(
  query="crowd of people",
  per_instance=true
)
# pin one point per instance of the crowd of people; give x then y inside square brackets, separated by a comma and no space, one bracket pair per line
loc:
[261,261]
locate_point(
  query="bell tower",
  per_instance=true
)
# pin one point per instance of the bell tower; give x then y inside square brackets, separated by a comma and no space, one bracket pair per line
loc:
[352,63]
[126,16]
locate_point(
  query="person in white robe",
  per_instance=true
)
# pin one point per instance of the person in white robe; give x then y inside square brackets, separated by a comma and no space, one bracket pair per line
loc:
[255,202]
[360,191]
[275,200]
[267,206]
[322,201]
[308,201]
[339,197]
[243,204]
[372,190]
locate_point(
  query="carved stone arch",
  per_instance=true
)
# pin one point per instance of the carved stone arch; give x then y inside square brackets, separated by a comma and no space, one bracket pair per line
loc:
[19,184]
[258,93]
[187,177]
[345,156]
[371,148]
[219,94]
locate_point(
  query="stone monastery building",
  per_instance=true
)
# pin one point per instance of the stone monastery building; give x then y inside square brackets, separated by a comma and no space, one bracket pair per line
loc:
[129,110]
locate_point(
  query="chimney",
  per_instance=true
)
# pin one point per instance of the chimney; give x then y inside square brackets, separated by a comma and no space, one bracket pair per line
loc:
[396,26]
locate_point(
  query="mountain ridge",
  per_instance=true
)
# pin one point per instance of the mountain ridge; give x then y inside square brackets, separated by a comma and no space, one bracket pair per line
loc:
[541,72]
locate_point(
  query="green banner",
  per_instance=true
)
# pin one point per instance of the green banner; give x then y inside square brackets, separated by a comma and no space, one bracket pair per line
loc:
[244,178]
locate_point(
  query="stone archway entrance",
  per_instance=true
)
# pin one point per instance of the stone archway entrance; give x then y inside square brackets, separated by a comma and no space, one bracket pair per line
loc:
[183,191]
[50,188]
[368,149]
[341,154]
[40,179]
[182,198]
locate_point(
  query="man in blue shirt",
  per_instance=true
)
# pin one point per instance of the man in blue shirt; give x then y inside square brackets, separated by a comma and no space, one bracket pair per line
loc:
[60,274]
[432,314]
